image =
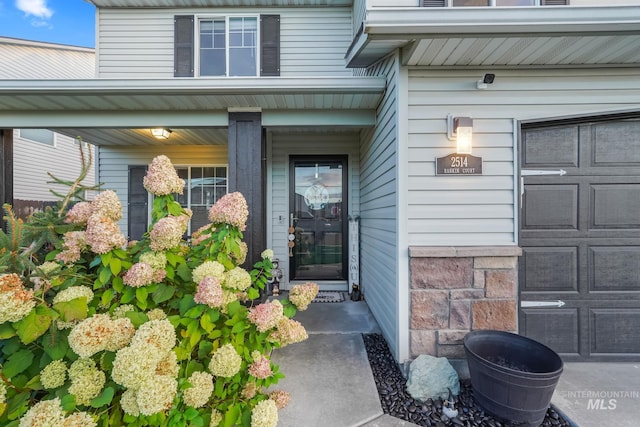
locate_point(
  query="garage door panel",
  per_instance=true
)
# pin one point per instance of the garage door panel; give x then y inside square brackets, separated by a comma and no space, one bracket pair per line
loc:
[615,269]
[550,269]
[556,328]
[615,206]
[580,235]
[616,144]
[537,211]
[552,147]
[615,331]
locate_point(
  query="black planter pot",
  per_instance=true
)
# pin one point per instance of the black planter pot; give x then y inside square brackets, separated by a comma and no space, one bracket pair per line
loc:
[513,377]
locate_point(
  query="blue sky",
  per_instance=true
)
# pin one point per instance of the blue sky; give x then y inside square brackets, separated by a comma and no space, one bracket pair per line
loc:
[69,22]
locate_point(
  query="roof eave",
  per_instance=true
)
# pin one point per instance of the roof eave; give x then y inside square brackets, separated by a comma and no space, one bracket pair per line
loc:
[398,27]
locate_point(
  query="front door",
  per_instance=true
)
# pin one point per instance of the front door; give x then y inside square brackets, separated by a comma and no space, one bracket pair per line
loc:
[317,218]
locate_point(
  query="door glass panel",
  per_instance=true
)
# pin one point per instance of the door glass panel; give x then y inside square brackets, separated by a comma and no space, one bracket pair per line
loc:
[318,220]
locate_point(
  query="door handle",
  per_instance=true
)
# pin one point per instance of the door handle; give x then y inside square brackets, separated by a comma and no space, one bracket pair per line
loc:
[557,303]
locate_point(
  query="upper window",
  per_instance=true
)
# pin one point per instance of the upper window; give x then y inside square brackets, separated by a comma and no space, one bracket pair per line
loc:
[228,46]
[43,136]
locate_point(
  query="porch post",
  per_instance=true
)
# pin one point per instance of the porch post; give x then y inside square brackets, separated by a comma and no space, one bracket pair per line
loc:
[247,175]
[6,169]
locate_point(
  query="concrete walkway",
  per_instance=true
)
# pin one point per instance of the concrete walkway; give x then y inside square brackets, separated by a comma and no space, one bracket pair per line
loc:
[600,394]
[328,375]
[332,385]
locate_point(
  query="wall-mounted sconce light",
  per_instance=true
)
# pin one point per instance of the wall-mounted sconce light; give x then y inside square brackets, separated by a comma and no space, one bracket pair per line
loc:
[486,80]
[161,133]
[460,129]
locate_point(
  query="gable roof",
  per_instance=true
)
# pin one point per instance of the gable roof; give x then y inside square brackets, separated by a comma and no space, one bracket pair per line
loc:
[28,60]
[218,3]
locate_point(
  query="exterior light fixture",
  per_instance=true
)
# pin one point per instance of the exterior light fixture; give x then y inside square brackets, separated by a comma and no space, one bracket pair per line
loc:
[161,133]
[460,129]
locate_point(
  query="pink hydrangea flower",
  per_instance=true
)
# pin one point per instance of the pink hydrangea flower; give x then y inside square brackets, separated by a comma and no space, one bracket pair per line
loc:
[266,315]
[288,331]
[162,179]
[103,234]
[74,243]
[302,295]
[166,233]
[140,274]
[261,366]
[281,398]
[209,292]
[230,209]
[107,204]
[79,213]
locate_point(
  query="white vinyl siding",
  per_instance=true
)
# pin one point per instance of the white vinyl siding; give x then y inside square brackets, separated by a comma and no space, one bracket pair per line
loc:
[482,210]
[139,42]
[283,145]
[115,162]
[379,209]
[32,160]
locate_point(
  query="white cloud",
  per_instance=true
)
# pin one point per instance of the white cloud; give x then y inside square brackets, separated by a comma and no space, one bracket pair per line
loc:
[37,8]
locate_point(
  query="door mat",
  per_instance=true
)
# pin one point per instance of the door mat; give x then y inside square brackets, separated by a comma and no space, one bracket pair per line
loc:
[329,296]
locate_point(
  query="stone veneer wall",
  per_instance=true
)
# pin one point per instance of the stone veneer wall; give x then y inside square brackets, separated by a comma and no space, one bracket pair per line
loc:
[455,290]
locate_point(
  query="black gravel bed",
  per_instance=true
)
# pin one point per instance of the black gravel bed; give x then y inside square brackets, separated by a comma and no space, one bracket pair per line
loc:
[397,402]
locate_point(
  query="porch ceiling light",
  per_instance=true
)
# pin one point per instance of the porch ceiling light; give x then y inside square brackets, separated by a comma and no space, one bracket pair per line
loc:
[460,129]
[161,133]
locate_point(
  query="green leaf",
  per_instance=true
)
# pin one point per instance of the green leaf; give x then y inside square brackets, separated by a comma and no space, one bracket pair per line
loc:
[35,324]
[186,303]
[238,327]
[137,318]
[231,416]
[253,293]
[106,259]
[17,363]
[6,331]
[195,312]
[117,284]
[175,209]
[129,295]
[107,297]
[206,323]
[233,308]
[163,293]
[103,398]
[204,349]
[55,345]
[104,276]
[290,311]
[96,261]
[16,402]
[115,265]
[190,414]
[11,346]
[194,337]
[141,294]
[184,272]
[68,402]
[76,309]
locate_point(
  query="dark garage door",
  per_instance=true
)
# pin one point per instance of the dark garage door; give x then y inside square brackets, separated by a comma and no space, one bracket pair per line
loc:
[580,235]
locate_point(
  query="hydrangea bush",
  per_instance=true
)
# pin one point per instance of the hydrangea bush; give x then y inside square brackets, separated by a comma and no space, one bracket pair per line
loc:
[156,332]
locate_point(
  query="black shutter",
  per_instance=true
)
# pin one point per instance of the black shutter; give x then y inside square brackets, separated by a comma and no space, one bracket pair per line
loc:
[138,207]
[183,46]
[434,3]
[269,45]
[555,2]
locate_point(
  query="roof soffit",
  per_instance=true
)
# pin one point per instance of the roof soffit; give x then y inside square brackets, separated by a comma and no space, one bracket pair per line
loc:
[434,37]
